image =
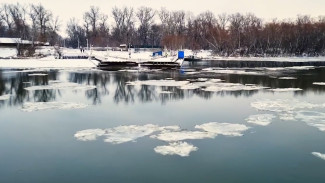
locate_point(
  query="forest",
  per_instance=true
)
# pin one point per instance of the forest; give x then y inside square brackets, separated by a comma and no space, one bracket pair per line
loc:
[226,34]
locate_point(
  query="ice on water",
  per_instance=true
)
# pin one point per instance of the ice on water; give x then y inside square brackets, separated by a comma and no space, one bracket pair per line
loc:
[319,155]
[4,97]
[174,135]
[260,119]
[294,110]
[89,135]
[176,148]
[37,106]
[227,129]
[319,83]
[285,89]
[60,85]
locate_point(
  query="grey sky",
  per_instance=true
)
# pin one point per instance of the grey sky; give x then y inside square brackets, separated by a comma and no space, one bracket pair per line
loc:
[266,9]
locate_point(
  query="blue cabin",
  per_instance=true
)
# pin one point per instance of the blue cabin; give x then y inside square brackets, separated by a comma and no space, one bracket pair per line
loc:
[181,55]
[157,53]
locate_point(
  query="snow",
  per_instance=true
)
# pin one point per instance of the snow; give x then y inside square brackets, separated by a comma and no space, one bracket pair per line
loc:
[260,119]
[319,155]
[176,148]
[37,106]
[7,53]
[58,85]
[47,62]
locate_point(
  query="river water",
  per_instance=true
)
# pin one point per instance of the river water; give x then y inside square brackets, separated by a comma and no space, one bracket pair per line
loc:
[194,124]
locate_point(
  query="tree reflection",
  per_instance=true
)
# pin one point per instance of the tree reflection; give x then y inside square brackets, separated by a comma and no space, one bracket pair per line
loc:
[14,83]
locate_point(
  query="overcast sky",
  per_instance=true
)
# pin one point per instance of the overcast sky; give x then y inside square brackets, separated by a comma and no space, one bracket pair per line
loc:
[266,9]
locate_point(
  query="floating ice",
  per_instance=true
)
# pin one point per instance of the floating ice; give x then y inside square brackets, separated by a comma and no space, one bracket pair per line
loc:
[260,119]
[283,105]
[176,148]
[4,97]
[319,83]
[319,155]
[218,87]
[173,136]
[37,74]
[122,134]
[227,129]
[37,106]
[240,72]
[89,135]
[58,85]
[287,78]
[159,83]
[312,118]
[189,86]
[285,89]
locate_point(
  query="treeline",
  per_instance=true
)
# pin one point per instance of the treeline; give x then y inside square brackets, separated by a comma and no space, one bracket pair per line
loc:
[29,22]
[228,35]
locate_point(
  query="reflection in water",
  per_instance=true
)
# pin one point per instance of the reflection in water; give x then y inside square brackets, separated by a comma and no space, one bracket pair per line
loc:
[14,83]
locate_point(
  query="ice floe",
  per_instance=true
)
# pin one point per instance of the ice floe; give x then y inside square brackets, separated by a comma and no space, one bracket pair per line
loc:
[319,155]
[4,97]
[287,78]
[227,129]
[319,83]
[159,83]
[37,106]
[294,110]
[58,85]
[312,118]
[89,135]
[122,134]
[231,71]
[37,74]
[173,136]
[260,119]
[176,148]
[285,89]
[218,87]
[283,105]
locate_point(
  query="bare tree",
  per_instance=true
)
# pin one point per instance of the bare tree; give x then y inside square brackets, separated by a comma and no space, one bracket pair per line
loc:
[42,17]
[123,31]
[145,16]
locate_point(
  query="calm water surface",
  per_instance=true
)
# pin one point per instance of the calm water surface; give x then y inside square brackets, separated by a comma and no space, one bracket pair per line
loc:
[39,145]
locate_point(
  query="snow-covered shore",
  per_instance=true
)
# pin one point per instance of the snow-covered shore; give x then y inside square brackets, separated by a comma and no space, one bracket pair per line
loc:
[51,62]
[47,62]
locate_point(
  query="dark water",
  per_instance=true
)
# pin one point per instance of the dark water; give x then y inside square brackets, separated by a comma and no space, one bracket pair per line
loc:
[39,146]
